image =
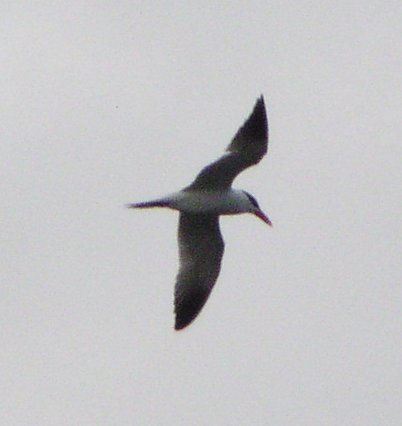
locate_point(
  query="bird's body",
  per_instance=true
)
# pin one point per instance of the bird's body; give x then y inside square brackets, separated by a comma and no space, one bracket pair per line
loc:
[217,202]
[200,204]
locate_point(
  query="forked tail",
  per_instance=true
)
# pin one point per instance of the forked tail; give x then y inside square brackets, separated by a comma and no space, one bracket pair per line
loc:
[147,204]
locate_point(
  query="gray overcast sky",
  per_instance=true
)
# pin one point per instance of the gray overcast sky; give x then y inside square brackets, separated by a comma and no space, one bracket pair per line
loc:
[103,103]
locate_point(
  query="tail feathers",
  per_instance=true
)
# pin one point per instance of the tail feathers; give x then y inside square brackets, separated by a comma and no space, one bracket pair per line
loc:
[147,204]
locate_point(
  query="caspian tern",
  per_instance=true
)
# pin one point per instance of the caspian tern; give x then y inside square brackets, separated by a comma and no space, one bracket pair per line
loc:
[200,205]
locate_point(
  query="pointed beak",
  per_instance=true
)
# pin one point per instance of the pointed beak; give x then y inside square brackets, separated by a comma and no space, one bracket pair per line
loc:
[263,217]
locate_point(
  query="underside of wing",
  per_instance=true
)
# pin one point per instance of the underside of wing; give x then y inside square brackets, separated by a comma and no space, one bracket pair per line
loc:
[201,249]
[247,148]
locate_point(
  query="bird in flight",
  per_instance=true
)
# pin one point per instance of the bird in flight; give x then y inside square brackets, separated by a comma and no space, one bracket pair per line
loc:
[201,203]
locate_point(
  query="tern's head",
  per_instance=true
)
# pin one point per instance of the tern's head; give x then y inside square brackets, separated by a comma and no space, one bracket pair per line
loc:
[254,208]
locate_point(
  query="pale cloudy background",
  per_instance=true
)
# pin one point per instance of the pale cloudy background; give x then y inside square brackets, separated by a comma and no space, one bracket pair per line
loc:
[103,103]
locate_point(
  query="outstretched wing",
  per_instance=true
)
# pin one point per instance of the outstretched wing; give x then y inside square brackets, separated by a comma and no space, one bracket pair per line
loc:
[200,249]
[247,148]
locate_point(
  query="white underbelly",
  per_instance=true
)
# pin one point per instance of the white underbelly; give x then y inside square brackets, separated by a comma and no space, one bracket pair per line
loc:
[207,202]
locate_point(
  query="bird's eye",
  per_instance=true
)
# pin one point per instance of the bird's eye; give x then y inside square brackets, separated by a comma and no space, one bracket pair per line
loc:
[252,200]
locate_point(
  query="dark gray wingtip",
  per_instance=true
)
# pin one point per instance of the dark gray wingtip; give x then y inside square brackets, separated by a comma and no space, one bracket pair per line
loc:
[256,126]
[188,306]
